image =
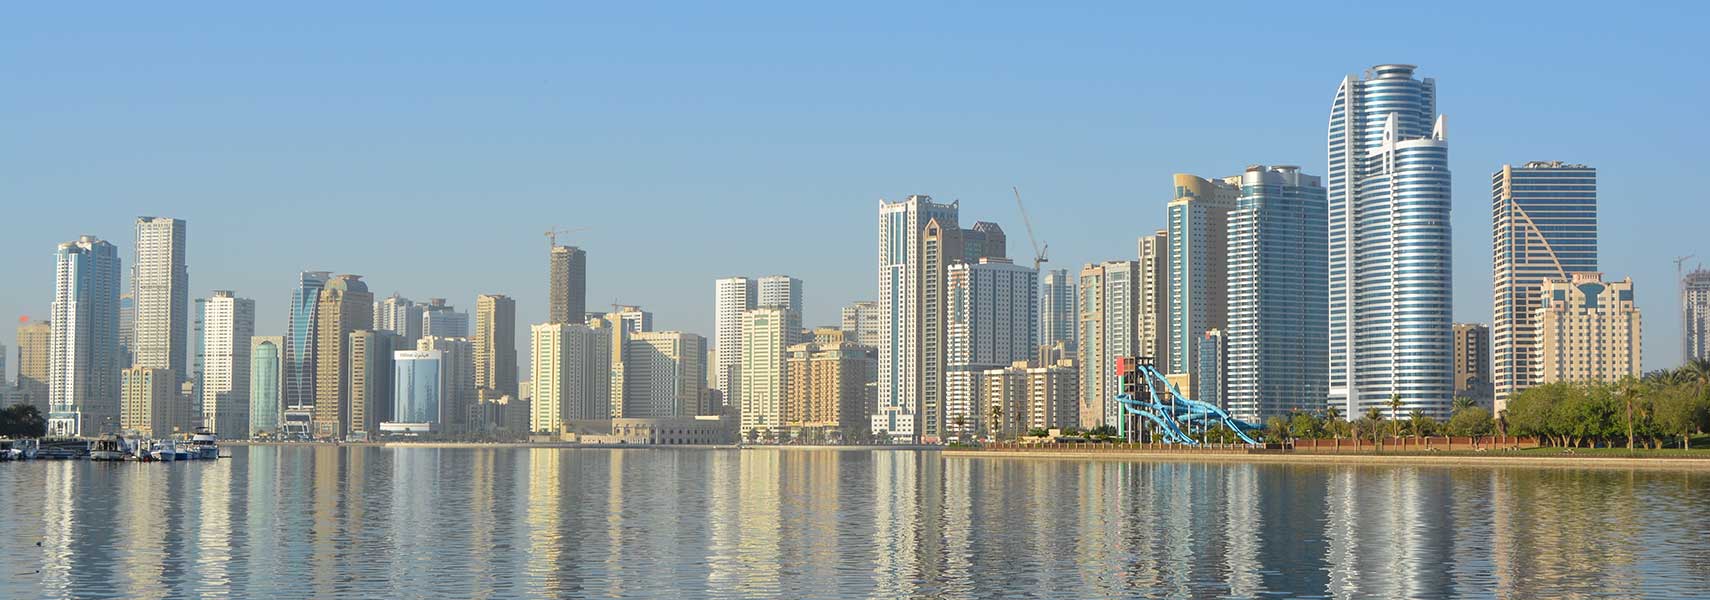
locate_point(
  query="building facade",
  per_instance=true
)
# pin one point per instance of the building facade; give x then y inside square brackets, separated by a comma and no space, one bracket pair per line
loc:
[1057,320]
[572,375]
[151,406]
[1588,330]
[1390,290]
[863,321]
[83,362]
[443,320]
[567,283]
[371,372]
[766,337]
[300,370]
[663,375]
[825,395]
[418,388]
[1153,327]
[400,316]
[160,285]
[1543,226]
[495,343]
[1278,336]
[912,240]
[1198,267]
[1020,398]
[1694,316]
[228,323]
[1472,362]
[266,383]
[345,306]
[459,396]
[732,296]
[1109,318]
[992,322]
[35,347]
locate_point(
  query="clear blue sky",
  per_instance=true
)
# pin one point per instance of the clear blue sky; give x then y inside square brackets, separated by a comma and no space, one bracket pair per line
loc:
[427,147]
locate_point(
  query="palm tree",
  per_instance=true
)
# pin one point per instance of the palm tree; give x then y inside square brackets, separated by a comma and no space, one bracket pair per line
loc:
[1331,416]
[1415,419]
[1394,405]
[1375,416]
[1464,402]
[997,420]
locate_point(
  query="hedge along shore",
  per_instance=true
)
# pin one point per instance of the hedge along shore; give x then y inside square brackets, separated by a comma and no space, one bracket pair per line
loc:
[1431,460]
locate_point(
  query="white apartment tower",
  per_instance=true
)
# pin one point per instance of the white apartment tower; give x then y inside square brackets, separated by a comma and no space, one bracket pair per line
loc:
[160,285]
[732,296]
[572,375]
[228,323]
[992,323]
[83,359]
[912,258]
[765,344]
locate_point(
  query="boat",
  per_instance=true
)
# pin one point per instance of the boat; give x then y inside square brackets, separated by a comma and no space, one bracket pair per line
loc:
[110,448]
[203,445]
[164,451]
[24,449]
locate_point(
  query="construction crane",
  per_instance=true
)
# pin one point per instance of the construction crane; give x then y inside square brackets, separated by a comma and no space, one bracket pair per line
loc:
[552,235]
[1039,250]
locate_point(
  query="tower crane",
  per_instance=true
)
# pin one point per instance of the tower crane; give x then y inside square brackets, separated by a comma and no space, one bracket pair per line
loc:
[553,233]
[1039,250]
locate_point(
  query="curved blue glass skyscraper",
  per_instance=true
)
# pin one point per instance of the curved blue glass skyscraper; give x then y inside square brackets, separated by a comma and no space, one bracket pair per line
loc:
[1388,185]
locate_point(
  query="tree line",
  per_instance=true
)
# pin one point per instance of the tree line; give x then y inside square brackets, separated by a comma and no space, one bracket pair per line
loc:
[1662,407]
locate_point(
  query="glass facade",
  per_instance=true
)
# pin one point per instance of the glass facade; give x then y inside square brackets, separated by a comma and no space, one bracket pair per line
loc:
[1277,357]
[417,386]
[264,386]
[1543,226]
[299,372]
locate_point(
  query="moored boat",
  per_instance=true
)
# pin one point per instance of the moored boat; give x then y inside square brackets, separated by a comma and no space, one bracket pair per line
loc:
[109,448]
[203,445]
[164,450]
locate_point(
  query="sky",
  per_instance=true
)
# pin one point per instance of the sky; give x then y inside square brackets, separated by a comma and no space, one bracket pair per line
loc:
[429,146]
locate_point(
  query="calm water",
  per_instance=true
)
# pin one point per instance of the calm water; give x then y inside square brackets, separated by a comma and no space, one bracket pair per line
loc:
[369,523]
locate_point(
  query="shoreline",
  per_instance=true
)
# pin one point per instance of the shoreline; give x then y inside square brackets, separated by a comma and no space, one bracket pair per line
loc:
[580,446]
[1446,460]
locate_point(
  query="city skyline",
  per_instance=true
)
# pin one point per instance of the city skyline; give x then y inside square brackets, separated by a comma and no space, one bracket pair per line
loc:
[1119,167]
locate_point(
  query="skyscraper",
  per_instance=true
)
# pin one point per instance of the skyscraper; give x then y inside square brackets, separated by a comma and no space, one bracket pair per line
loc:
[419,387]
[227,326]
[150,405]
[765,343]
[863,322]
[1153,326]
[781,291]
[984,240]
[443,320]
[345,305]
[633,318]
[1588,330]
[1199,267]
[1388,186]
[83,377]
[1019,398]
[1109,323]
[664,371]
[1057,308]
[913,239]
[35,346]
[266,383]
[300,369]
[572,371]
[457,367]
[1472,362]
[371,373]
[1694,309]
[160,283]
[399,315]
[1211,355]
[825,390]
[127,328]
[992,321]
[567,296]
[1278,343]
[1543,226]
[495,343]
[732,296]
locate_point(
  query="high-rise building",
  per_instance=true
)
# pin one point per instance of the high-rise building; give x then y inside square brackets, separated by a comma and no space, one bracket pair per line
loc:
[1388,186]
[663,375]
[495,343]
[160,283]
[1588,330]
[1057,319]
[984,240]
[457,367]
[1278,341]
[198,357]
[35,346]
[1472,362]
[127,328]
[345,305]
[572,373]
[567,296]
[1199,267]
[150,404]
[825,390]
[228,323]
[633,318]
[1212,356]
[443,320]
[300,369]
[1543,226]
[779,291]
[266,383]
[1153,322]
[1021,398]
[765,342]
[419,388]
[1109,320]
[399,315]
[732,296]
[863,321]
[1694,317]
[916,239]
[371,372]
[83,365]
[992,320]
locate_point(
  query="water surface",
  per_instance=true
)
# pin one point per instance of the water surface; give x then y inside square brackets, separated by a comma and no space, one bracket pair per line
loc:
[372,522]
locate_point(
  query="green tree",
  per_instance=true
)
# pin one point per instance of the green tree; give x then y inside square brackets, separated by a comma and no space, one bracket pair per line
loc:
[1276,429]
[1681,411]
[1462,403]
[1304,425]
[1415,421]
[1472,421]
[22,421]
[1395,421]
[1630,388]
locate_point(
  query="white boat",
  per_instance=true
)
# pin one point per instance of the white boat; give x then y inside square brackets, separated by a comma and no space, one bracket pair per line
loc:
[203,445]
[24,449]
[164,450]
[107,449]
